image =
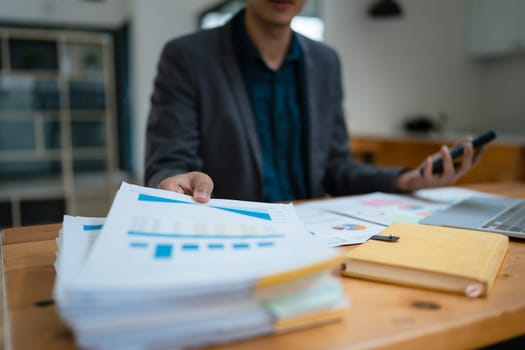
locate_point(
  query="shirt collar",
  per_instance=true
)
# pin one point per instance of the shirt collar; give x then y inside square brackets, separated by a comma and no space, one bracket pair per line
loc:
[246,49]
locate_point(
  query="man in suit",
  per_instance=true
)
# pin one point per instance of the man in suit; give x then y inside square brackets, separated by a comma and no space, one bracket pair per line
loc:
[253,111]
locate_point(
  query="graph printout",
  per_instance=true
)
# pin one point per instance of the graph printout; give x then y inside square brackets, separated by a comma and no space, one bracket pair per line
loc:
[333,229]
[381,208]
[154,238]
[75,241]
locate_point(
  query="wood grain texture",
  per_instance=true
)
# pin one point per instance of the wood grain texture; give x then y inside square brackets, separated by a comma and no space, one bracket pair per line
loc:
[381,316]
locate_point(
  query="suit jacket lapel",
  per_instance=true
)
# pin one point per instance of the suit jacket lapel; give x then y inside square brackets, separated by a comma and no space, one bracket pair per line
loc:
[311,80]
[242,102]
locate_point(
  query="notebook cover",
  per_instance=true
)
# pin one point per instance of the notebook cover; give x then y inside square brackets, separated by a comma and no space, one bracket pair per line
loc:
[443,258]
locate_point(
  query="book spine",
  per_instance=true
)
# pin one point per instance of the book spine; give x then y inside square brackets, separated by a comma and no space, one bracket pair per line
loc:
[495,261]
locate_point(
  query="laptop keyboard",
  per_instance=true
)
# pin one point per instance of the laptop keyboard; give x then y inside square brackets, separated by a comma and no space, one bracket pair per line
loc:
[511,220]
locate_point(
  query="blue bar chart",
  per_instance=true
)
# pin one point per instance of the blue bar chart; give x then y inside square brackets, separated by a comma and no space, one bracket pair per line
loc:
[163,251]
[163,239]
[92,227]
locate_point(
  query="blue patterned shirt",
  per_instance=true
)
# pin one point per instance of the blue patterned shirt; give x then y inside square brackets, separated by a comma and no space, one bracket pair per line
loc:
[276,97]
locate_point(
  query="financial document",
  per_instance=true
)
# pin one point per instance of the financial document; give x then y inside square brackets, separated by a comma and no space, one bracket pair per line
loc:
[163,271]
[354,219]
[380,208]
[333,229]
[152,234]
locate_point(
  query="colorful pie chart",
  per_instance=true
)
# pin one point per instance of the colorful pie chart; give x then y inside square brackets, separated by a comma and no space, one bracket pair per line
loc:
[349,227]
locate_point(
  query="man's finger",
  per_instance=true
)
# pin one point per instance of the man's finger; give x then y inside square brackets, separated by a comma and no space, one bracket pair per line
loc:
[427,172]
[448,165]
[466,162]
[202,187]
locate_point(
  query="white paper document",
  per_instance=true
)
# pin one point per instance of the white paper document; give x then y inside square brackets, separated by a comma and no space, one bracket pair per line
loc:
[354,219]
[75,242]
[333,229]
[163,271]
[381,208]
[150,235]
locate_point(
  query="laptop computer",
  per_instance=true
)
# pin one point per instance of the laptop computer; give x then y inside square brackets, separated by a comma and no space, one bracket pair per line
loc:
[494,214]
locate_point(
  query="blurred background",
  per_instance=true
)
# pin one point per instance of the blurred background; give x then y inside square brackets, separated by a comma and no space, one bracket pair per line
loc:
[76,77]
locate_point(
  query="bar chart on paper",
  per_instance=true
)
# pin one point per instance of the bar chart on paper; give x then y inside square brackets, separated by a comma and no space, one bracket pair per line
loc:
[164,238]
[211,237]
[155,240]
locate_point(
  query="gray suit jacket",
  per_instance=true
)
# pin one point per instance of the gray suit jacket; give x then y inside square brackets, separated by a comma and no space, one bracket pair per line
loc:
[201,119]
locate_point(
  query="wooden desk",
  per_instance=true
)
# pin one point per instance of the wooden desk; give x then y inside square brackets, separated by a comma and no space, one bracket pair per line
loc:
[381,316]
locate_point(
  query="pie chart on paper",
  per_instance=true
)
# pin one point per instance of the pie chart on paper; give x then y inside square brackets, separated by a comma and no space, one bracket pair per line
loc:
[349,227]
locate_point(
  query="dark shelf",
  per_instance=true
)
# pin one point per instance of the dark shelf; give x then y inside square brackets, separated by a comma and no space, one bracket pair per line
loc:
[88,134]
[42,211]
[33,54]
[86,95]
[5,215]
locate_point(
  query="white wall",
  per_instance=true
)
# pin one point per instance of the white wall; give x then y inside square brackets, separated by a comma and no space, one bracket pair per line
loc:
[154,22]
[503,102]
[108,13]
[395,68]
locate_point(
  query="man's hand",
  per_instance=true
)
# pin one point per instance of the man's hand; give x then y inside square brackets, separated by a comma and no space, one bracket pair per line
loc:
[195,183]
[413,180]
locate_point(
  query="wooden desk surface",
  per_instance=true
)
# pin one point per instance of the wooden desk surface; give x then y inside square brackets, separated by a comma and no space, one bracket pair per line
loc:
[381,316]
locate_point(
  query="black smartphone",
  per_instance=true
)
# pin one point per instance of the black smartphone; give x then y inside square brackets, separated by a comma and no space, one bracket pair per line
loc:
[456,152]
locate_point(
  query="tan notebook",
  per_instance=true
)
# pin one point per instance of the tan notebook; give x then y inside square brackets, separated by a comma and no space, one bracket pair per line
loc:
[432,257]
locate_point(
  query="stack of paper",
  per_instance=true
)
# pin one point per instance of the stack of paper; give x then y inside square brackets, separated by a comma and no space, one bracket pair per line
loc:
[165,271]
